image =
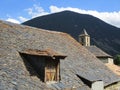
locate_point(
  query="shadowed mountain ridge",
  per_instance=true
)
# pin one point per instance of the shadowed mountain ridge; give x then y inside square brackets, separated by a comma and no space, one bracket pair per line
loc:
[103,35]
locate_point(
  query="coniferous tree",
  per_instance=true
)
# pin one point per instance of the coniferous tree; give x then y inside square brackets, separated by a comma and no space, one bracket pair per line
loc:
[117,60]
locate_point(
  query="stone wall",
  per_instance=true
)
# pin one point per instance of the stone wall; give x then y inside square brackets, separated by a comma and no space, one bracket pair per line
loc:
[97,85]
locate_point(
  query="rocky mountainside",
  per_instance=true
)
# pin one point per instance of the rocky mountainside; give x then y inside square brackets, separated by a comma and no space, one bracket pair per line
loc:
[103,35]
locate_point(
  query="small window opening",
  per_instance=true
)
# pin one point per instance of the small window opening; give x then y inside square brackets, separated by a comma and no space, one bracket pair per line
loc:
[82,40]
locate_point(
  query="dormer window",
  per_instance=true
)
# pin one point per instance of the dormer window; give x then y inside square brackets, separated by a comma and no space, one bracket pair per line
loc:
[45,62]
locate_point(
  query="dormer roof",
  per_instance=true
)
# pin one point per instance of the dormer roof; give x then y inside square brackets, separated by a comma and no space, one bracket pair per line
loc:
[46,52]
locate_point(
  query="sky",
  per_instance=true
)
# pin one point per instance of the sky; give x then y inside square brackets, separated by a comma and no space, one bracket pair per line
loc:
[18,11]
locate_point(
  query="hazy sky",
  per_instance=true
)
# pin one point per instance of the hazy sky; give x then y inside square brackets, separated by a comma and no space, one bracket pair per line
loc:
[18,11]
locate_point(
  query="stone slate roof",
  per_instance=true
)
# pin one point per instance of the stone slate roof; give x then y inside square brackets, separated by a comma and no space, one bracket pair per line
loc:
[79,61]
[97,51]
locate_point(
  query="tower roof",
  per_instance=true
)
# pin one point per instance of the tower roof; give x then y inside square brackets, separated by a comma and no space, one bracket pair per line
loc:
[84,32]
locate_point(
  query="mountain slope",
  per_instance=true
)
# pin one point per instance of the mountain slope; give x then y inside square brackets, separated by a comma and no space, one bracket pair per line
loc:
[103,35]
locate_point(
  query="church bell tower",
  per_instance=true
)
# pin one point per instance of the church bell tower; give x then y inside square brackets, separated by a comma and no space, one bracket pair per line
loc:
[84,38]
